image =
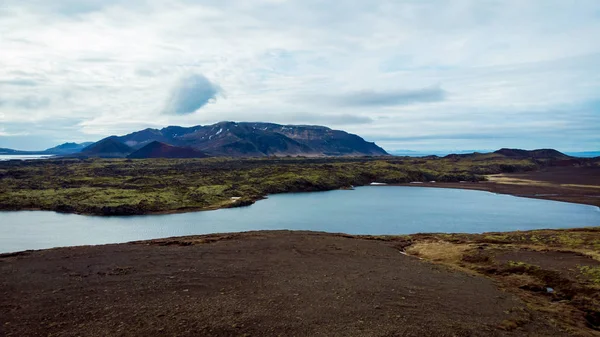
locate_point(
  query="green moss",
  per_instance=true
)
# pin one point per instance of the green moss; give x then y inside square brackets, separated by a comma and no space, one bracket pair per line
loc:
[102,186]
[592,273]
[496,238]
[518,264]
[570,240]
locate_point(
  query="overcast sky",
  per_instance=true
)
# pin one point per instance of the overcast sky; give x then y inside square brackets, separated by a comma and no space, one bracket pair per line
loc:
[412,74]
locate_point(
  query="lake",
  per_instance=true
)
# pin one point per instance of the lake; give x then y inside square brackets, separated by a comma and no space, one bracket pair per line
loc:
[23,156]
[365,210]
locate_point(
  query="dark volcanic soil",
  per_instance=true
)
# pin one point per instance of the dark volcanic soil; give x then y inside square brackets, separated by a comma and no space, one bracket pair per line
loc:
[570,184]
[253,284]
[567,263]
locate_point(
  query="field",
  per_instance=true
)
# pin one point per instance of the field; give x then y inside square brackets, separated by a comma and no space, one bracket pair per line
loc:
[124,187]
[282,283]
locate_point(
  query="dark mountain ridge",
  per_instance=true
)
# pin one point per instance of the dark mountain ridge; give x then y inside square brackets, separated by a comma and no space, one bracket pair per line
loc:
[157,149]
[62,149]
[254,140]
[109,147]
[539,153]
[68,148]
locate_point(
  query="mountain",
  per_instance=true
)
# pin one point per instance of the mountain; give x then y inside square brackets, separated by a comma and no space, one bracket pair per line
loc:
[63,149]
[536,154]
[67,148]
[255,140]
[11,151]
[437,153]
[109,147]
[161,150]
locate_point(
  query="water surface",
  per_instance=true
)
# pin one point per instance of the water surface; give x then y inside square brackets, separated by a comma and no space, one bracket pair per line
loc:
[23,156]
[366,210]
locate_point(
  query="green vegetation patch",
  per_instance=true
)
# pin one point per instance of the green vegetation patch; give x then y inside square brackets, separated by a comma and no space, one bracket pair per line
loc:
[125,186]
[592,273]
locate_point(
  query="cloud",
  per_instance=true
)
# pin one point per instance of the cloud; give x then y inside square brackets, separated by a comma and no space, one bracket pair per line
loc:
[369,98]
[309,118]
[337,119]
[4,133]
[370,68]
[19,82]
[191,93]
[28,102]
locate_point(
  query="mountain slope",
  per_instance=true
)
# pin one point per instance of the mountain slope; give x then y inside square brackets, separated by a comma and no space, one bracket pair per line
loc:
[256,139]
[536,154]
[161,150]
[68,148]
[11,151]
[109,147]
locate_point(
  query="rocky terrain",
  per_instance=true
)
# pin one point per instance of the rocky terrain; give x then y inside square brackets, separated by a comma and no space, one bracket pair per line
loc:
[161,150]
[287,283]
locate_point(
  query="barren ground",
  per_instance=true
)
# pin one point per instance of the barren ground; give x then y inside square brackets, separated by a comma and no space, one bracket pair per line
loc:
[570,184]
[259,283]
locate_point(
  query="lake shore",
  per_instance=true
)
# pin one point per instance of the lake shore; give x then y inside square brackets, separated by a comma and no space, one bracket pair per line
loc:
[567,184]
[576,196]
[309,283]
[139,187]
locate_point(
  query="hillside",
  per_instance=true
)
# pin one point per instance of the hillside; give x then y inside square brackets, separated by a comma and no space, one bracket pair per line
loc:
[63,149]
[107,148]
[161,150]
[68,148]
[536,154]
[255,140]
[9,151]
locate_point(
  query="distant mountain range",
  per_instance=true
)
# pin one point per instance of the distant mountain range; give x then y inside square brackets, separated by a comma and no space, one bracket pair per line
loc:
[254,140]
[535,154]
[440,153]
[233,140]
[63,149]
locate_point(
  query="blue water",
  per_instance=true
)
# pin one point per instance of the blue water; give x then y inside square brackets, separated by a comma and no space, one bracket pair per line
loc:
[4,157]
[366,210]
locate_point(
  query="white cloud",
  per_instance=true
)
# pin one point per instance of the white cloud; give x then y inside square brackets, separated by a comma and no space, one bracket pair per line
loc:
[110,66]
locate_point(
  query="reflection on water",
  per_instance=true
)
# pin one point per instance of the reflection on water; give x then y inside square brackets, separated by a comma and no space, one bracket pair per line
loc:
[366,210]
[23,156]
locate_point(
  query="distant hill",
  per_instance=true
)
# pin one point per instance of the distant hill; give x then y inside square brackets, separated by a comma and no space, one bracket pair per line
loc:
[63,149]
[161,150]
[109,147]
[67,148]
[254,140]
[11,151]
[536,154]
[437,153]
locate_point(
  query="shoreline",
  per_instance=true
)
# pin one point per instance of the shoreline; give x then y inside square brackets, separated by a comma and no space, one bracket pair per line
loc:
[485,186]
[516,191]
[121,188]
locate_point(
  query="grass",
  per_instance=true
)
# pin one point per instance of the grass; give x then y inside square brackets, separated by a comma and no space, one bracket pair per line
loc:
[574,299]
[122,186]
[592,273]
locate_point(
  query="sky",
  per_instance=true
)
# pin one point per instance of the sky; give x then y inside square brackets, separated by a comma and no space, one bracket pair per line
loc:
[407,74]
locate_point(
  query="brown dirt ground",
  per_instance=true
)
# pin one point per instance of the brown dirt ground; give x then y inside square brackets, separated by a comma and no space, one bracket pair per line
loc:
[566,263]
[278,283]
[527,263]
[570,184]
